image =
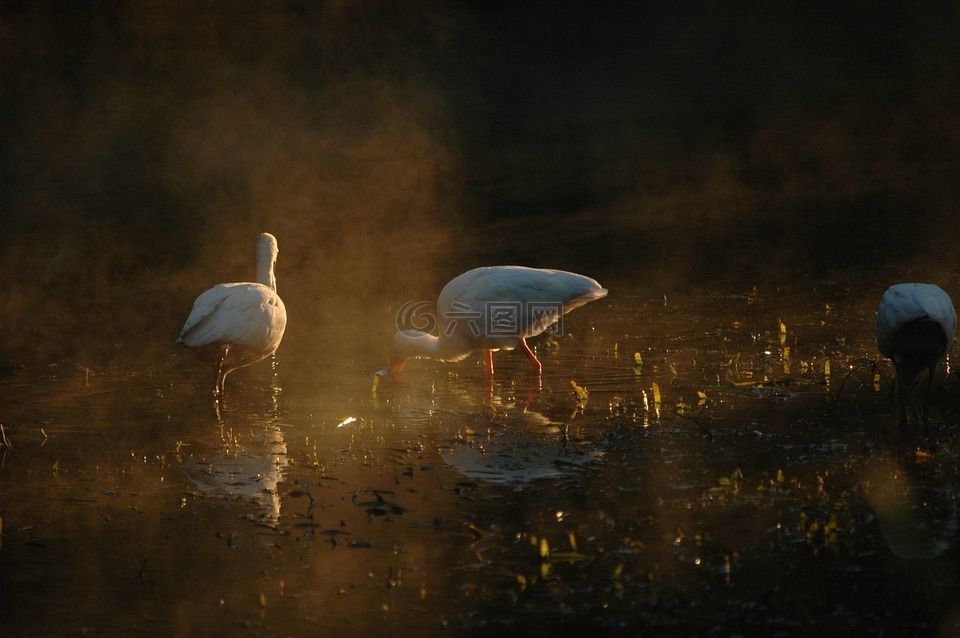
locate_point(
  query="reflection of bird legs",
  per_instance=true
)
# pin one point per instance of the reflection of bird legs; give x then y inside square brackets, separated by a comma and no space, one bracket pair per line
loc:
[903,397]
[926,402]
[488,361]
[533,392]
[927,396]
[488,381]
[904,390]
[218,396]
[221,375]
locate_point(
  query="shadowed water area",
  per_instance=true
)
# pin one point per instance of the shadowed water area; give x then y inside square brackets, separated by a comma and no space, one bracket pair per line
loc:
[713,449]
[740,478]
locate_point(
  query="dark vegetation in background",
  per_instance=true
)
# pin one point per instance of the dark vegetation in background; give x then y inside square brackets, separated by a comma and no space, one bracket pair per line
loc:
[391,145]
[708,133]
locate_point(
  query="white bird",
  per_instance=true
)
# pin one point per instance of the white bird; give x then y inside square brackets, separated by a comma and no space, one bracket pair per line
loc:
[494,308]
[235,325]
[916,324]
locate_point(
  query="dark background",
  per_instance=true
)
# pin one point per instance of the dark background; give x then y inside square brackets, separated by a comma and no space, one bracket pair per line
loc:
[391,145]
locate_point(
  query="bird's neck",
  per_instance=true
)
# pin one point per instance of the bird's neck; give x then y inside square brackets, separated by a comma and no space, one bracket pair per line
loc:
[265,274]
[421,344]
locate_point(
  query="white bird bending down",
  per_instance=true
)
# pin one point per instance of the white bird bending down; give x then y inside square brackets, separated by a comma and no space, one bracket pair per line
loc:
[235,325]
[915,328]
[495,308]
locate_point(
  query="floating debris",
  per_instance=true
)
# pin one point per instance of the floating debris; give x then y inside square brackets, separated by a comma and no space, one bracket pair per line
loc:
[350,420]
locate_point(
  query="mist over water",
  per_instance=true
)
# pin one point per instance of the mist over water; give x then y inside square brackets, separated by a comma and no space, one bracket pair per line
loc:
[146,147]
[388,146]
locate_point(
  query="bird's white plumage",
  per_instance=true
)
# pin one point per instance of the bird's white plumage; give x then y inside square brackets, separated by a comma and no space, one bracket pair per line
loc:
[916,324]
[903,303]
[528,300]
[247,314]
[237,324]
[533,292]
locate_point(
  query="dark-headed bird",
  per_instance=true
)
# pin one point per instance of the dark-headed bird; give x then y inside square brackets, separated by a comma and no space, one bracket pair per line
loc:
[235,325]
[495,308]
[915,328]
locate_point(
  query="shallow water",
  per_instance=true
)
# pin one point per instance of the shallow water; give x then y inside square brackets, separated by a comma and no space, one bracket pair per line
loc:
[769,492]
[745,183]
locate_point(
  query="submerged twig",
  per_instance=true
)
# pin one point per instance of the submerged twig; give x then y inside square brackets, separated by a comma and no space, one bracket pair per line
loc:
[4,441]
[705,429]
[872,365]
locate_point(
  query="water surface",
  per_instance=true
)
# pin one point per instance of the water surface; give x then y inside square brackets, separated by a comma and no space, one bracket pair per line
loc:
[769,492]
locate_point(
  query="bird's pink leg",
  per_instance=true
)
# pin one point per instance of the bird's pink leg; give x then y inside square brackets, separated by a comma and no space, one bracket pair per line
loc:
[488,360]
[534,362]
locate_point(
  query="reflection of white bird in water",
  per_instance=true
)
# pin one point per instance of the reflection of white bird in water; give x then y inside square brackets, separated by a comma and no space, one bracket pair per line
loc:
[915,328]
[234,325]
[495,308]
[250,470]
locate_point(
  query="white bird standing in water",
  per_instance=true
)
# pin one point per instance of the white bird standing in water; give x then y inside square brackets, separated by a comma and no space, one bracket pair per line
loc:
[235,325]
[495,308]
[915,328]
